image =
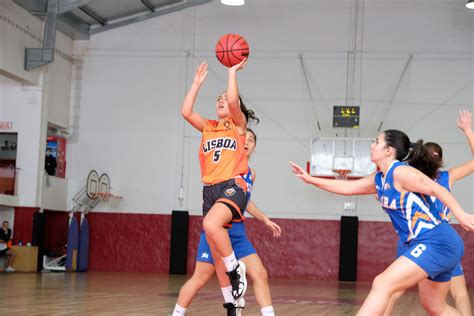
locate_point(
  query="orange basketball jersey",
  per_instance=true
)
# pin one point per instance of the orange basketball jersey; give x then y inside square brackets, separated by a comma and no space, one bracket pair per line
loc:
[222,154]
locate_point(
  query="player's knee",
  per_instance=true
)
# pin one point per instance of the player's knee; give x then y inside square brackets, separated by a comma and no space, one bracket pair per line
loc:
[432,304]
[201,280]
[259,275]
[381,284]
[210,227]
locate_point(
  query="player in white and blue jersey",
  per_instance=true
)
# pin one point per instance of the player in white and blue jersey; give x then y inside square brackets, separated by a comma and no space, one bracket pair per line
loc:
[244,252]
[430,164]
[404,193]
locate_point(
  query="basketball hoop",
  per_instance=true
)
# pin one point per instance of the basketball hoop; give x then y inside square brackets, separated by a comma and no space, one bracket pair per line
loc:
[341,174]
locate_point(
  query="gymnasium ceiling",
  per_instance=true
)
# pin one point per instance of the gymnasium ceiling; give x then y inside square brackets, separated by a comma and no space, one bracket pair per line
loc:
[394,70]
[86,17]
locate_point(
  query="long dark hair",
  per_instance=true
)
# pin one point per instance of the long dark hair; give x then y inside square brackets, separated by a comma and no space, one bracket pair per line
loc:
[249,114]
[416,154]
[421,159]
[436,153]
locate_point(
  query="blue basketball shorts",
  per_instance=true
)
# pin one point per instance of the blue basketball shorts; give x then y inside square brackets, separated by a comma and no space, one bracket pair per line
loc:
[238,238]
[457,271]
[438,252]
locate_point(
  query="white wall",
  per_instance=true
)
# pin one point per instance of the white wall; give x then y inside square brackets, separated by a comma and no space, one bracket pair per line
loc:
[54,193]
[31,99]
[22,106]
[18,30]
[134,79]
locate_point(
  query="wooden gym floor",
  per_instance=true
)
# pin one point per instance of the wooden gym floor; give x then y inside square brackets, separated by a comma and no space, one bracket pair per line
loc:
[96,293]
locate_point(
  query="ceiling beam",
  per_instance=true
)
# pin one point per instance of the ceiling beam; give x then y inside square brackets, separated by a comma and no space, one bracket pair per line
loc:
[40,6]
[149,5]
[142,17]
[67,22]
[68,5]
[78,29]
[73,26]
[91,13]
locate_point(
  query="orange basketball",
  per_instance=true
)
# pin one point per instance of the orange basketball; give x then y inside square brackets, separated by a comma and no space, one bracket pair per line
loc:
[231,49]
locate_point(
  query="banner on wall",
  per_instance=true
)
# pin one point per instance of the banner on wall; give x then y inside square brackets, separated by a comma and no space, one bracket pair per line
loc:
[6,126]
[57,145]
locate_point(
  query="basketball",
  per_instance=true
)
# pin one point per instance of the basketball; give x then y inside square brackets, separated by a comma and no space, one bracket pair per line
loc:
[231,49]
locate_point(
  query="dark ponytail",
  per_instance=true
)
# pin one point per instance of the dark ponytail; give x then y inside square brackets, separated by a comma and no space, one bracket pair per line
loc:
[417,154]
[436,153]
[421,159]
[249,114]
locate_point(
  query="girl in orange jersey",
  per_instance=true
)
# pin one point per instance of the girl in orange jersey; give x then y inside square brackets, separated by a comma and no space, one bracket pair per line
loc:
[244,252]
[223,163]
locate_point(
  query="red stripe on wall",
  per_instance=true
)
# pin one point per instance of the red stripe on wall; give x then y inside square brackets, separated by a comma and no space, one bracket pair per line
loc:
[468,259]
[129,242]
[195,227]
[376,249]
[56,229]
[308,249]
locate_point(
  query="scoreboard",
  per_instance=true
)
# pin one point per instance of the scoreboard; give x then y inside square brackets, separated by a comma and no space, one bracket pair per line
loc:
[346,116]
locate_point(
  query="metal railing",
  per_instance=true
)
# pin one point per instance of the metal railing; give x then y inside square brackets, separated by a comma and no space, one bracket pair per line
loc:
[82,202]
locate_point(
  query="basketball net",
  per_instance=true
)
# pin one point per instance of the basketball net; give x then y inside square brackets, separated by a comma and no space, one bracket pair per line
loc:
[102,196]
[341,174]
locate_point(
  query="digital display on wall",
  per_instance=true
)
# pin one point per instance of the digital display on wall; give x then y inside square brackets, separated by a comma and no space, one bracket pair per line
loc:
[346,116]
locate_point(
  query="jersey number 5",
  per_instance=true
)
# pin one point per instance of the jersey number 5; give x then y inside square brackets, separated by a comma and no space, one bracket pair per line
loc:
[217,156]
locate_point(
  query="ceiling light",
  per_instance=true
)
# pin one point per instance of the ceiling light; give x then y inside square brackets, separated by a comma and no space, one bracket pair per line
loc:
[470,4]
[235,2]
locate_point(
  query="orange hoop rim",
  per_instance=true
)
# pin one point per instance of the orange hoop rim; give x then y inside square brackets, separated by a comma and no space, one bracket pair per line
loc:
[104,196]
[341,173]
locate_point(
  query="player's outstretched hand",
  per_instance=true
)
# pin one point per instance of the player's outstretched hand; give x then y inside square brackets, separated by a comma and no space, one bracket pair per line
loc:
[464,121]
[201,73]
[300,172]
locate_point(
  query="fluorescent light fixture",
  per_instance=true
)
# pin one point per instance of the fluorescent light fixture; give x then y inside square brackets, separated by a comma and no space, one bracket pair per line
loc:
[235,2]
[470,4]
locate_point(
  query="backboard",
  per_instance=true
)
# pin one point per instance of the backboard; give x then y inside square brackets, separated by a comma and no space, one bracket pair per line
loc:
[330,156]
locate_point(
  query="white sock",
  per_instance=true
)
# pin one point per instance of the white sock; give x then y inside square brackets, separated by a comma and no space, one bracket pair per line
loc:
[227,293]
[230,262]
[178,310]
[267,311]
